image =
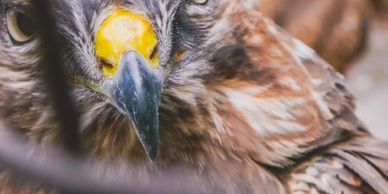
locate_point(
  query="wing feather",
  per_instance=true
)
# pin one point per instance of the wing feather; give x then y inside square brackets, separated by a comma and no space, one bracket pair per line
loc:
[357,166]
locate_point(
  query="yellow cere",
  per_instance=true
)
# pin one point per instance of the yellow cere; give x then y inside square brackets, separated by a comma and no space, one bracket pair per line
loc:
[121,32]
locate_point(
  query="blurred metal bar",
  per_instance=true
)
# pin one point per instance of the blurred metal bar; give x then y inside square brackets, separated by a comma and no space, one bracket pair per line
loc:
[55,169]
[53,71]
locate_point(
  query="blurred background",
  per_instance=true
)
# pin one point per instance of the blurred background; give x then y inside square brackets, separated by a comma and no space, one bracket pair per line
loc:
[352,35]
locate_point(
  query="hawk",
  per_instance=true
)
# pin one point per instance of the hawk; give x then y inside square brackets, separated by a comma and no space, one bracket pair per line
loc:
[207,85]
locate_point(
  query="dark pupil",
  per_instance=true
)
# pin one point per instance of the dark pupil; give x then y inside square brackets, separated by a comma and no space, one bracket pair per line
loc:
[25,24]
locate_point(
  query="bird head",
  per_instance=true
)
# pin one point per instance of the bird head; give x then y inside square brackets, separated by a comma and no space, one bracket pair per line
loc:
[121,56]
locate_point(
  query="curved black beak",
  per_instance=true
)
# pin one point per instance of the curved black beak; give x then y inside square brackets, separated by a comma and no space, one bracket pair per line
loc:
[135,91]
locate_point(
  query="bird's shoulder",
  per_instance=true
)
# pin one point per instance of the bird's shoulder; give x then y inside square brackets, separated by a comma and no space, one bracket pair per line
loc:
[275,97]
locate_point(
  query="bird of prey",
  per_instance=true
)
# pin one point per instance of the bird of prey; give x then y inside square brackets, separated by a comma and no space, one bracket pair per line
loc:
[207,85]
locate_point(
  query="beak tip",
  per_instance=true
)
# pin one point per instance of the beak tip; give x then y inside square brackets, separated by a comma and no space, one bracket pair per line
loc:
[150,141]
[152,154]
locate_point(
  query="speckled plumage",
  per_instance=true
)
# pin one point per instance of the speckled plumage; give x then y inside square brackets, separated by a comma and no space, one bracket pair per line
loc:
[246,106]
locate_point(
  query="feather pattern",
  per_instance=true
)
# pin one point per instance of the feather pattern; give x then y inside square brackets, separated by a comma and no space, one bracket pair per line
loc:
[247,108]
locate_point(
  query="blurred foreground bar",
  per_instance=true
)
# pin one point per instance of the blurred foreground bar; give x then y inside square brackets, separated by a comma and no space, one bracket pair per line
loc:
[54,75]
[56,169]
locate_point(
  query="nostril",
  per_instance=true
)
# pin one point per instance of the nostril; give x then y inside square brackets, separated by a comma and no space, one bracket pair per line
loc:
[154,53]
[105,64]
[108,69]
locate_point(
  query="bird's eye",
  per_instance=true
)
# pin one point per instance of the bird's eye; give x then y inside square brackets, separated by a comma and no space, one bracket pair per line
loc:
[20,26]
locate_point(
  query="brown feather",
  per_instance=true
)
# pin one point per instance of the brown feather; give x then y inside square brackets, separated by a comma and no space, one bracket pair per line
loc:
[249,110]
